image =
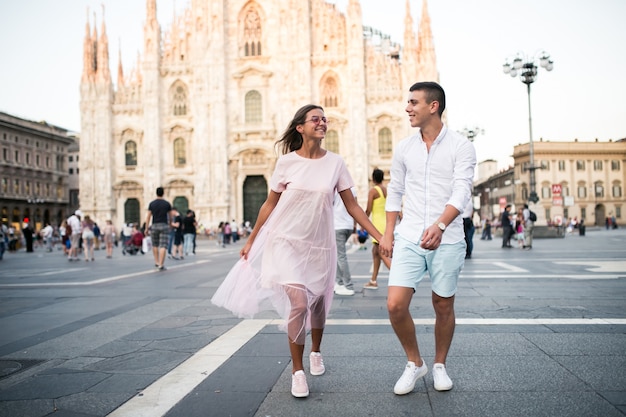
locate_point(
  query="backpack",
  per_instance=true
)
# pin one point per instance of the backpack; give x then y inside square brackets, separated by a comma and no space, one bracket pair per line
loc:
[532,216]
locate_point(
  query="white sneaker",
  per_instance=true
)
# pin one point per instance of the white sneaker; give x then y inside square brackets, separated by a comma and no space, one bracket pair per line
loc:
[409,377]
[299,387]
[441,378]
[317,363]
[341,290]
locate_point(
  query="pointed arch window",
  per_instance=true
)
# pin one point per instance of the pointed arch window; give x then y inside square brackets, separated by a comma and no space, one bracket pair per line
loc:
[384,142]
[130,150]
[332,141]
[330,92]
[179,99]
[252,31]
[180,158]
[254,110]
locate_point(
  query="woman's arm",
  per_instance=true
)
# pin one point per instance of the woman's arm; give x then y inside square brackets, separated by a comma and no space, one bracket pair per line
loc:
[265,211]
[358,214]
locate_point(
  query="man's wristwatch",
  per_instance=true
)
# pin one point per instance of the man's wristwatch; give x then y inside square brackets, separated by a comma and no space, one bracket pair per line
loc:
[441,226]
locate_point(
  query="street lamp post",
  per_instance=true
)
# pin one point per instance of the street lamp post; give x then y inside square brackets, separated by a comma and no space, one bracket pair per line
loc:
[527,69]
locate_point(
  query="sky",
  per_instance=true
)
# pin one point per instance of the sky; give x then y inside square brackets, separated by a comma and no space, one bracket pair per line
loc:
[583,97]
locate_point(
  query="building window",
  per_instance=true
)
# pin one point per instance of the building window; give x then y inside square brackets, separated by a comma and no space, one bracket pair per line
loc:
[27,158]
[384,142]
[617,190]
[71,171]
[524,194]
[583,212]
[70,158]
[545,165]
[16,186]
[253,107]
[330,92]
[47,162]
[332,141]
[561,165]
[252,32]
[37,161]
[580,165]
[597,165]
[5,154]
[17,156]
[598,190]
[130,150]
[582,191]
[545,192]
[565,191]
[618,212]
[180,158]
[179,100]
[5,186]
[615,165]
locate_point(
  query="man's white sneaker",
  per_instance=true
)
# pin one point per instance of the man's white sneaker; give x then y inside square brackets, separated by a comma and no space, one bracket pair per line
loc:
[441,378]
[341,290]
[409,377]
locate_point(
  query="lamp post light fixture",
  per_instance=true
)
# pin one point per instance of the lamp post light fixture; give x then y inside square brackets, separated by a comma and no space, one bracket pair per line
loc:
[472,133]
[527,69]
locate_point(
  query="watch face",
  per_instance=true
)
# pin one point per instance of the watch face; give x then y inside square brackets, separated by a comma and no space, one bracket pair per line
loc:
[441,226]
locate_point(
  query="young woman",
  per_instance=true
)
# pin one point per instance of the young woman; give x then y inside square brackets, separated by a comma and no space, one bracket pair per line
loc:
[109,238]
[376,199]
[290,256]
[88,238]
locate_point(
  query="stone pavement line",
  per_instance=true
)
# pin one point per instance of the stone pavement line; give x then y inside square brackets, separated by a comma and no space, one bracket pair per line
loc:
[157,399]
[167,391]
[98,281]
[487,322]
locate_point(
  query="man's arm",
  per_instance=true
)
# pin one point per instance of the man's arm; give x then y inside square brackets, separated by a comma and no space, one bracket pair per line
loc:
[148,218]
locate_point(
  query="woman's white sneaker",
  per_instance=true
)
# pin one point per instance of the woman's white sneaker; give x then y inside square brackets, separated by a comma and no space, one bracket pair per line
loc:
[299,387]
[441,378]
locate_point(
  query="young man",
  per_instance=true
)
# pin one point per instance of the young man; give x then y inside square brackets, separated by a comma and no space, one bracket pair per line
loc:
[433,170]
[158,211]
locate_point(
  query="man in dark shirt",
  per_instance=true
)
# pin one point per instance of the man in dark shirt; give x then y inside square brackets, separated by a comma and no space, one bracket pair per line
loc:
[160,211]
[507,227]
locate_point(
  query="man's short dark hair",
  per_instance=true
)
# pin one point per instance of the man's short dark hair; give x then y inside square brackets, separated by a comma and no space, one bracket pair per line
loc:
[160,192]
[434,92]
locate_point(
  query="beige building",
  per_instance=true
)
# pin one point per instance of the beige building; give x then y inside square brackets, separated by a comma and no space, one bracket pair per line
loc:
[577,179]
[209,96]
[33,172]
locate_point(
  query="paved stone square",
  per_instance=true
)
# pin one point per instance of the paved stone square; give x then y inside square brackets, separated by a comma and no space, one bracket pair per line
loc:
[539,333]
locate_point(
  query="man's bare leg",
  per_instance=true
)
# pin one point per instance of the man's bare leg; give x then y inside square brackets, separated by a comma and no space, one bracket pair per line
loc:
[398,301]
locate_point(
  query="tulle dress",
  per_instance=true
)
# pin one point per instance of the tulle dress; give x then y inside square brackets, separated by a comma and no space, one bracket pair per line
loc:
[295,250]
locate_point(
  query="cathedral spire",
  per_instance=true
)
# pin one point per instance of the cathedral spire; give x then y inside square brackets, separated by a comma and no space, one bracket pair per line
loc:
[409,37]
[88,53]
[426,57]
[151,32]
[103,71]
[120,70]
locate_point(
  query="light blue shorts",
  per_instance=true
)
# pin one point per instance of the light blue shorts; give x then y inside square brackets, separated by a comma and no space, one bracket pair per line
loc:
[410,263]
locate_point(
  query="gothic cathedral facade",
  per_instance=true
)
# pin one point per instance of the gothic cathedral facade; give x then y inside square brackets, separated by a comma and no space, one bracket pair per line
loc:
[201,111]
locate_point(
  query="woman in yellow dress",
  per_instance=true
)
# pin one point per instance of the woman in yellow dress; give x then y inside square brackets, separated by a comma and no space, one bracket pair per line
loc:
[376,199]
